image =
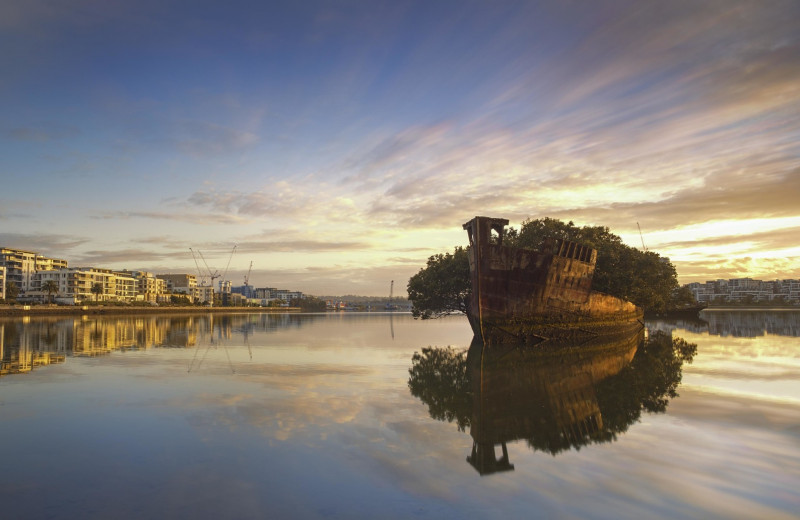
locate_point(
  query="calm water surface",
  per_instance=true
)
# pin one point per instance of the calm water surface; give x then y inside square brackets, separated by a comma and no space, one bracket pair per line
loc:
[334,416]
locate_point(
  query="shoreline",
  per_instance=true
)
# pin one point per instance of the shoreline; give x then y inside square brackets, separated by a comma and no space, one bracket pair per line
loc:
[91,310]
[754,308]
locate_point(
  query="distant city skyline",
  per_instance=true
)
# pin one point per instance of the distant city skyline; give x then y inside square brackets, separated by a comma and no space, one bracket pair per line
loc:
[340,144]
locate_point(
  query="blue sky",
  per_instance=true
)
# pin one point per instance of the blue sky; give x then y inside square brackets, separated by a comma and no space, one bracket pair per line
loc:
[338,144]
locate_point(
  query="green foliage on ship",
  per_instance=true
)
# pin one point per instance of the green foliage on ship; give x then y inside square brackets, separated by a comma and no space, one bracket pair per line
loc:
[442,287]
[643,277]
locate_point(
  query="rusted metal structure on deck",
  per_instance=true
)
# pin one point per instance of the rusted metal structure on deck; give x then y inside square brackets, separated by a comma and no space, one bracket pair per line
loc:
[522,296]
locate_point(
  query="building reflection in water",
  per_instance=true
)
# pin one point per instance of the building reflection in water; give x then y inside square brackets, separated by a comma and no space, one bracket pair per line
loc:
[555,398]
[29,343]
[738,323]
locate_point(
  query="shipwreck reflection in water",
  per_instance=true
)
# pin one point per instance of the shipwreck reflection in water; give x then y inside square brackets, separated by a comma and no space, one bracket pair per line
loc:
[555,398]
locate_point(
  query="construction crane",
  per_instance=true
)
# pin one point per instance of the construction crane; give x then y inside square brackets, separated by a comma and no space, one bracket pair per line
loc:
[225,272]
[644,248]
[246,282]
[247,276]
[211,275]
[390,306]
[200,274]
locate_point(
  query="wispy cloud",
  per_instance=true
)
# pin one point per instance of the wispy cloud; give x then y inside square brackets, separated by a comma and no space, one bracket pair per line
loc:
[41,133]
[195,218]
[127,257]
[302,246]
[55,245]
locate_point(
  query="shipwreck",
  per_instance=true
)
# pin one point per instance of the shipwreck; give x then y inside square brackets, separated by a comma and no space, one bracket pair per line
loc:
[525,297]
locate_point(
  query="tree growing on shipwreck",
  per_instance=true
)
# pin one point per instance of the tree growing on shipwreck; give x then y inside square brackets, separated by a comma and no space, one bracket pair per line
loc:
[645,278]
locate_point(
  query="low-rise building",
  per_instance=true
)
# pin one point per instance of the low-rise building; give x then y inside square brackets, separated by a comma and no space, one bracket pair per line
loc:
[76,284]
[746,289]
[205,294]
[22,265]
[185,284]
[149,287]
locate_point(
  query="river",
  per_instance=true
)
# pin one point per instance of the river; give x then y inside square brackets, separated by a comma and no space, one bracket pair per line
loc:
[353,415]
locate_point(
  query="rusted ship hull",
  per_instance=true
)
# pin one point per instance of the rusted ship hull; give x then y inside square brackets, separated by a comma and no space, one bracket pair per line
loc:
[522,296]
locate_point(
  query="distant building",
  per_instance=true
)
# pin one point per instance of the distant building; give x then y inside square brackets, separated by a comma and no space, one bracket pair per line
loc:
[205,293]
[21,266]
[266,293]
[248,291]
[288,296]
[125,286]
[149,287]
[185,284]
[225,292]
[2,282]
[75,284]
[746,289]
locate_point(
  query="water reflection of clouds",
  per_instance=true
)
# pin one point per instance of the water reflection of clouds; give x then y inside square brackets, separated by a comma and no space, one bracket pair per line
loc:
[668,467]
[766,368]
[308,410]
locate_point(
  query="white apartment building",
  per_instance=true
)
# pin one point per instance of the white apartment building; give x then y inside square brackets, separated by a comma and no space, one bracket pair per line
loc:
[149,287]
[152,288]
[2,283]
[739,289]
[126,286]
[288,296]
[205,293]
[21,266]
[185,284]
[75,284]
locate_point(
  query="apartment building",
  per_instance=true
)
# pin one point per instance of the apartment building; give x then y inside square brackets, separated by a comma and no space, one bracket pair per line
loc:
[126,286]
[29,270]
[185,284]
[288,296]
[149,287]
[266,293]
[744,289]
[205,293]
[21,266]
[75,284]
[272,293]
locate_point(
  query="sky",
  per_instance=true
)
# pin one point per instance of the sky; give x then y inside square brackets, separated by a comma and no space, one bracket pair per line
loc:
[336,145]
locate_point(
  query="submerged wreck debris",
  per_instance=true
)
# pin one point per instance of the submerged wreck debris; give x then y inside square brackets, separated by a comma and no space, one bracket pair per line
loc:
[524,297]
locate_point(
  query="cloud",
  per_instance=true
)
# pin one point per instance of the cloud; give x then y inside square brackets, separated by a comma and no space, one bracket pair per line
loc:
[764,240]
[293,203]
[709,267]
[729,195]
[302,246]
[41,133]
[201,138]
[195,218]
[53,245]
[127,257]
